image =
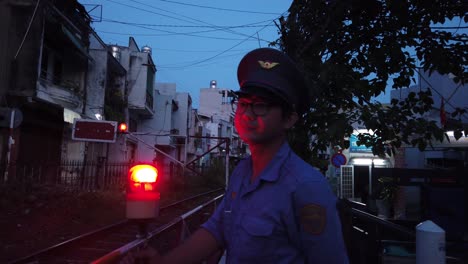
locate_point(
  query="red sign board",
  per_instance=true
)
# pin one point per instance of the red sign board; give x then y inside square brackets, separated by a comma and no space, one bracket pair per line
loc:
[94,130]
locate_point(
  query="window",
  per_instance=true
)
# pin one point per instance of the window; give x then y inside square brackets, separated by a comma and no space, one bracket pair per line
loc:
[132,61]
[44,63]
[149,86]
[133,125]
[57,71]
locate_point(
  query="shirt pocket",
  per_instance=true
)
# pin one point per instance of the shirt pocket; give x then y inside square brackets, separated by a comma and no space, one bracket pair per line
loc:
[256,226]
[256,239]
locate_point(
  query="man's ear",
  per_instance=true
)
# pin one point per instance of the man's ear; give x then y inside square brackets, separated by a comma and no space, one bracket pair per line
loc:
[290,120]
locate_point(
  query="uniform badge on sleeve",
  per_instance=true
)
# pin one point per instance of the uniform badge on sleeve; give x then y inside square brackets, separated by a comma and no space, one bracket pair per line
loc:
[313,218]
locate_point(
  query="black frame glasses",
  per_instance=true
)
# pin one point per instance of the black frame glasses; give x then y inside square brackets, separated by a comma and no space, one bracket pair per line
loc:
[257,108]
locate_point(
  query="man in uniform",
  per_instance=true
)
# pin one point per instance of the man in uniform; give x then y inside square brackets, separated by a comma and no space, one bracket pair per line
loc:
[277,208]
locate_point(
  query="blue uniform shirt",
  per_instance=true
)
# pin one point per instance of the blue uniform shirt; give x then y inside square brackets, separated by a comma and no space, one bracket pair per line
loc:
[287,215]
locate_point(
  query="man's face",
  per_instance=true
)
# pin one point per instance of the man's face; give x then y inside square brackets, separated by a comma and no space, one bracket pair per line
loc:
[258,121]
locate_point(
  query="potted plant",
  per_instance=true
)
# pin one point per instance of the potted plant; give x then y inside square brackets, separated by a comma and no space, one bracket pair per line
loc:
[385,195]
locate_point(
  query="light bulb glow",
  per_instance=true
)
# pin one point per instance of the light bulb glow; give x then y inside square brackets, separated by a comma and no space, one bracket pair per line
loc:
[143,173]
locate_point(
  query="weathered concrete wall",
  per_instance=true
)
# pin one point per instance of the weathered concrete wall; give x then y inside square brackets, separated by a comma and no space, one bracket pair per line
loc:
[96,83]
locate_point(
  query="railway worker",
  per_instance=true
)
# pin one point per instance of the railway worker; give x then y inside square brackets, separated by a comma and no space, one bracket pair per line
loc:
[277,208]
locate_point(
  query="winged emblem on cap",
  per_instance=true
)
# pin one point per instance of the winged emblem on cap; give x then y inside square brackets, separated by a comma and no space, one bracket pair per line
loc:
[267,64]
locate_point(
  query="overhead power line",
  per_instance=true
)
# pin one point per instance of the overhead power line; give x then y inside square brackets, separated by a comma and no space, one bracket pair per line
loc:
[447,101]
[219,54]
[148,11]
[257,24]
[196,20]
[223,57]
[171,33]
[197,51]
[221,9]
[27,30]
[459,27]
[168,34]
[176,18]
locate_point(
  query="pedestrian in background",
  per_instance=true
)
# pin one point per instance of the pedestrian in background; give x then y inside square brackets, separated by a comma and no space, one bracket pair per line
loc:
[277,208]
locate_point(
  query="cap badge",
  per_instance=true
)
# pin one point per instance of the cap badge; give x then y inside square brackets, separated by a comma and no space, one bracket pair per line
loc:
[267,64]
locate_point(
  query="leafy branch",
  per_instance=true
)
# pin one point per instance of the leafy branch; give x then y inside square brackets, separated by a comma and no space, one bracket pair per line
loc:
[350,51]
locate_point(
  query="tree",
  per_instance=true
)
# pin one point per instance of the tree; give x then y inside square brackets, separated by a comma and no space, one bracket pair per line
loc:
[350,50]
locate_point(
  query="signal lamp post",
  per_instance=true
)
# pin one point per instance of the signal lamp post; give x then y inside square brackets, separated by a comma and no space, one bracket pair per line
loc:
[142,196]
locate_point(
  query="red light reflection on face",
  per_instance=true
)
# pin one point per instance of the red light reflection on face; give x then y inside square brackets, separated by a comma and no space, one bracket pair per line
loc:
[250,126]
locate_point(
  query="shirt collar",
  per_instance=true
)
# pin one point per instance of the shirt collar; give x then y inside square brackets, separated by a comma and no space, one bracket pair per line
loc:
[271,171]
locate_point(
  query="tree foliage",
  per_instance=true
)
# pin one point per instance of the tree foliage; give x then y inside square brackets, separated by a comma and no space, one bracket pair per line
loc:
[351,50]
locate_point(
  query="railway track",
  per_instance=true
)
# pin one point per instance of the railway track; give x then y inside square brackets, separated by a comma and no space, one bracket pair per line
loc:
[96,244]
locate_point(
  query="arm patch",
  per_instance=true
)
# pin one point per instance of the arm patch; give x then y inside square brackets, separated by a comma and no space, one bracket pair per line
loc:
[313,219]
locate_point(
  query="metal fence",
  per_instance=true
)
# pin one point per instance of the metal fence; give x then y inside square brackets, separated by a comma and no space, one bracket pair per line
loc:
[79,175]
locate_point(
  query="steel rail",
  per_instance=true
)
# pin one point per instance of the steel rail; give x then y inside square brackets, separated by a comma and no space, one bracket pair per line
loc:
[125,249]
[104,229]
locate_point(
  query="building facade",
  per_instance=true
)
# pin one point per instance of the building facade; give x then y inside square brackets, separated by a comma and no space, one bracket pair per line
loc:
[54,69]
[447,95]
[43,71]
[216,113]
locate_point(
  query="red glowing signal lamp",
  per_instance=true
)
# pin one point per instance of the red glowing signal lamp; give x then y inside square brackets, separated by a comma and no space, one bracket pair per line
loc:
[142,179]
[142,194]
[143,173]
[123,127]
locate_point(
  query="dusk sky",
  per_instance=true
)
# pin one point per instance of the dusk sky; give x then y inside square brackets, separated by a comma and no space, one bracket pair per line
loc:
[193,42]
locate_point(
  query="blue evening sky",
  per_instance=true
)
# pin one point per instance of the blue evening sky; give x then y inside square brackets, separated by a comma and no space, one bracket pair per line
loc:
[194,42]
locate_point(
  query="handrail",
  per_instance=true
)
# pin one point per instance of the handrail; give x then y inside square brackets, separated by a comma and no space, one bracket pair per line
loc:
[351,207]
[386,224]
[383,222]
[117,254]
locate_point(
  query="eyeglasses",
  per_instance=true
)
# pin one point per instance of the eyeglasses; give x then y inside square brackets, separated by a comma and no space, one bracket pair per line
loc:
[257,108]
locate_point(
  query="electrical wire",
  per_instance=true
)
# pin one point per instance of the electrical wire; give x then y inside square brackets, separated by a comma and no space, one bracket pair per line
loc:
[219,54]
[27,30]
[453,93]
[171,33]
[457,28]
[165,35]
[148,11]
[441,96]
[196,20]
[221,9]
[174,66]
[255,24]
[197,51]
[164,122]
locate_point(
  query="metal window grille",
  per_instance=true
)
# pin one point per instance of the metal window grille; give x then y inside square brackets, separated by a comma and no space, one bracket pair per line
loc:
[347,182]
